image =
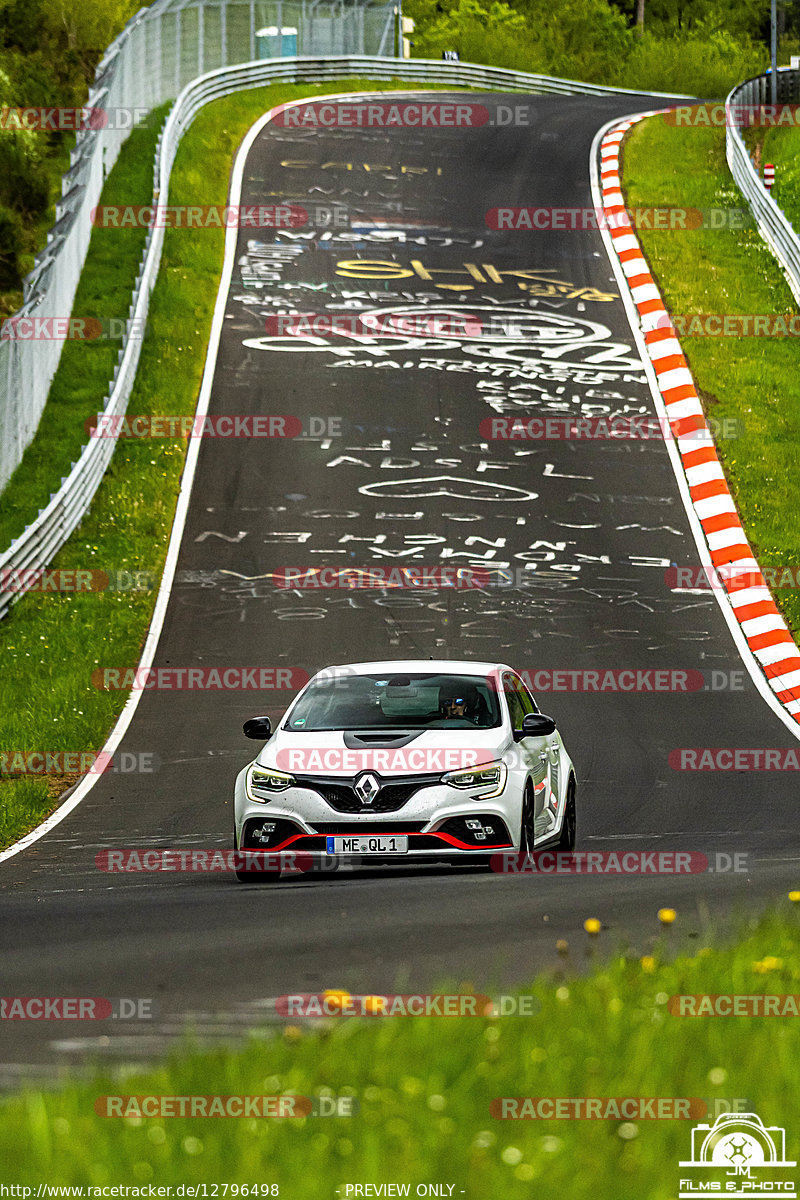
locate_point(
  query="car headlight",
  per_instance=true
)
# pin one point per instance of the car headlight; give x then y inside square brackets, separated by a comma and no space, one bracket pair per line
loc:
[261,783]
[489,775]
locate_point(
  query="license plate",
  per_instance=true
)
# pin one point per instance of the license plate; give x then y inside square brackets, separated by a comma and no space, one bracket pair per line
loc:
[367,844]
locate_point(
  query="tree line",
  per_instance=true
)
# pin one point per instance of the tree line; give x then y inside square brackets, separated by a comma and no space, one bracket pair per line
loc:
[697,47]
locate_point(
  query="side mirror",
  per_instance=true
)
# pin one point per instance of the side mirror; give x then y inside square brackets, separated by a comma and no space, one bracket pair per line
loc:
[258,728]
[537,725]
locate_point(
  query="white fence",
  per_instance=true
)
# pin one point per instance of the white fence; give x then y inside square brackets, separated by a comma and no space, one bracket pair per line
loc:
[160,51]
[52,285]
[775,229]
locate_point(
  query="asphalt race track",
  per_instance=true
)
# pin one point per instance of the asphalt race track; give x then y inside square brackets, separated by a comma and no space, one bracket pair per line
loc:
[403,476]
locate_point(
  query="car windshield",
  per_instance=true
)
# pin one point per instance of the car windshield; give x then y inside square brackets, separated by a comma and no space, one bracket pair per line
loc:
[404,701]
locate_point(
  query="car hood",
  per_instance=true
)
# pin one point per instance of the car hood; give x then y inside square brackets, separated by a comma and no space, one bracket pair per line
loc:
[346,754]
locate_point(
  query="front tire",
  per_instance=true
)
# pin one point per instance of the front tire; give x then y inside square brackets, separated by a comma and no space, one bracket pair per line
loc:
[527,833]
[566,841]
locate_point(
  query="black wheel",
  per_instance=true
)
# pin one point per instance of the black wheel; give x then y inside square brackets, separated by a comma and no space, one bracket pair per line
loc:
[526,837]
[566,841]
[245,876]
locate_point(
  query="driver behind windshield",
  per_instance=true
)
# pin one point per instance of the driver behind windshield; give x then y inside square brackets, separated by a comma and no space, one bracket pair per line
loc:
[459,704]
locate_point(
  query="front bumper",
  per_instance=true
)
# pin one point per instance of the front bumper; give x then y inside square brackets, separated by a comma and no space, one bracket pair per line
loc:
[438,821]
[464,834]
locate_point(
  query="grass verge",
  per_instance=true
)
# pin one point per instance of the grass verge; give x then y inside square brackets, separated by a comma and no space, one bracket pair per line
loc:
[85,368]
[750,380]
[51,643]
[423,1088]
[782,147]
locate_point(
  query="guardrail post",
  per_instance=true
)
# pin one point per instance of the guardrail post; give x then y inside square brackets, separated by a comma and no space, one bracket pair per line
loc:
[772,224]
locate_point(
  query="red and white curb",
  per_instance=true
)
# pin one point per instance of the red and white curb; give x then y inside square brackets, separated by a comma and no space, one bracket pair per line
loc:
[764,628]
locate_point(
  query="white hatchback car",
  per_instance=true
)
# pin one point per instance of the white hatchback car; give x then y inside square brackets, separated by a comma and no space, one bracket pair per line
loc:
[406,761]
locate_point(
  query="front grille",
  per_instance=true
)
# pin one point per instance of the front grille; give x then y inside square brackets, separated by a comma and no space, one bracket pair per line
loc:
[346,828]
[339,793]
[389,799]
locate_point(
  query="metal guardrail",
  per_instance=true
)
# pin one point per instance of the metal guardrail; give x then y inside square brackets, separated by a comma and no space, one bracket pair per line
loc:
[774,227]
[43,537]
[161,50]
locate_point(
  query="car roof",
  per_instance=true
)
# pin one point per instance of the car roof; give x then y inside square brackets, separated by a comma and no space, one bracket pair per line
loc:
[436,666]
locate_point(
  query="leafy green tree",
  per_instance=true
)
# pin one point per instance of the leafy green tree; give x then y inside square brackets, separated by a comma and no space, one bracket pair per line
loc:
[739,18]
[10,239]
[49,50]
[584,38]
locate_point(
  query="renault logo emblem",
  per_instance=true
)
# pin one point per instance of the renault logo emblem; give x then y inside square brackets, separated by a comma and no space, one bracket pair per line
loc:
[366,788]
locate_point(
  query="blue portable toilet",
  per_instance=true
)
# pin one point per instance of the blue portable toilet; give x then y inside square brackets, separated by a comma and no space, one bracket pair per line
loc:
[274,42]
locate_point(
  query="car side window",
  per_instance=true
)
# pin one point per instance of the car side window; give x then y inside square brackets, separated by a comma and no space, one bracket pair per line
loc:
[526,699]
[514,701]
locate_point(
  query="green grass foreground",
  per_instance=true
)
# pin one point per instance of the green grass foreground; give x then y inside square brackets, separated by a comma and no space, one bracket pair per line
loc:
[754,380]
[422,1089]
[50,644]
